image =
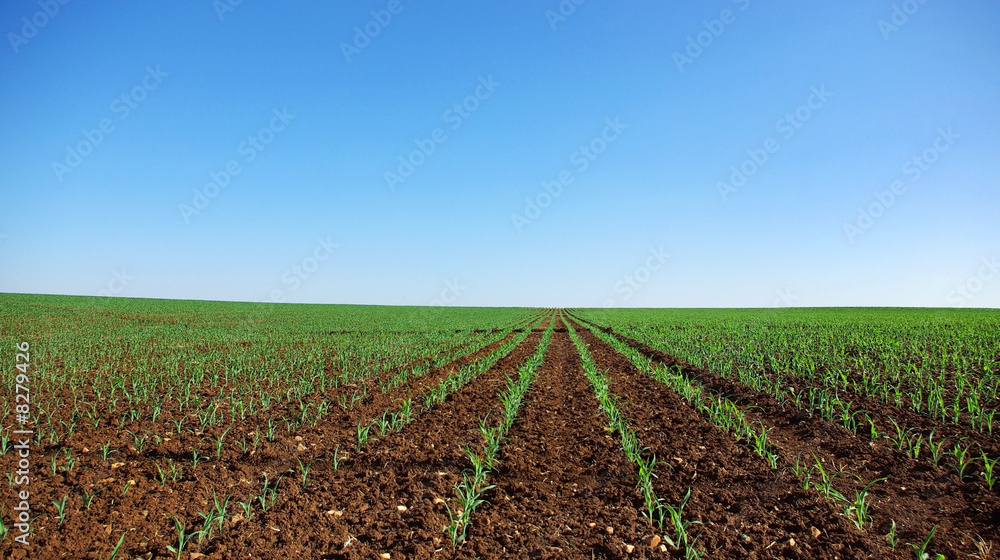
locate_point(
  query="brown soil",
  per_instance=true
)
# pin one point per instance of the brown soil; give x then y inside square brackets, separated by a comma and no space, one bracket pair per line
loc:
[143,512]
[561,481]
[748,510]
[917,496]
[353,512]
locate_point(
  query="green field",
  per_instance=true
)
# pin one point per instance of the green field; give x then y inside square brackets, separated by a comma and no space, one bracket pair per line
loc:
[345,431]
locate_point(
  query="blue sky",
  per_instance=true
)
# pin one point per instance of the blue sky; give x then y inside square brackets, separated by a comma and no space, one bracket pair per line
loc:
[301,118]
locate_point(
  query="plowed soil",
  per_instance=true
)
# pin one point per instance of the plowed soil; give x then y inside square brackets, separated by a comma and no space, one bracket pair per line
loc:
[562,487]
[915,495]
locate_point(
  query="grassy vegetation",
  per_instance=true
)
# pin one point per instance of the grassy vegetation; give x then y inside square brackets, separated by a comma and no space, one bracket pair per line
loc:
[203,366]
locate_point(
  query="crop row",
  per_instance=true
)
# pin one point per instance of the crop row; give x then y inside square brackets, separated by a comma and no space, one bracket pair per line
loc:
[966,459]
[469,491]
[656,509]
[728,416]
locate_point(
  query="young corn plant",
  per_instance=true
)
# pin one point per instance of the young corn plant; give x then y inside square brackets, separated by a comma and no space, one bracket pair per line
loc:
[799,470]
[218,442]
[161,476]
[215,517]
[825,482]
[336,458]
[60,509]
[138,441]
[247,508]
[269,494]
[963,460]
[117,548]
[937,449]
[913,445]
[304,471]
[88,498]
[70,460]
[184,537]
[362,435]
[469,496]
[681,540]
[921,549]
[988,465]
[858,511]
[891,536]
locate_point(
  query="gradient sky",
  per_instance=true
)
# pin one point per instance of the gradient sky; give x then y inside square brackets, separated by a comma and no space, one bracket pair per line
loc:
[115,224]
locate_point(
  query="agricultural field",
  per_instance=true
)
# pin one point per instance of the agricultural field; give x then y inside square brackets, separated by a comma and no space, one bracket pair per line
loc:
[184,430]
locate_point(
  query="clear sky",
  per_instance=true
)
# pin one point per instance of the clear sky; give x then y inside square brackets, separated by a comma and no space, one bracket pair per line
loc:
[712,153]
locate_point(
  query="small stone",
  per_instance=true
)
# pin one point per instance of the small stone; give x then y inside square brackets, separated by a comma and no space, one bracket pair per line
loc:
[196,555]
[609,530]
[298,438]
[300,447]
[401,508]
[815,532]
[744,538]
[653,541]
[629,548]
[791,542]
[117,465]
[385,556]
[591,524]
[85,450]
[440,501]
[662,548]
